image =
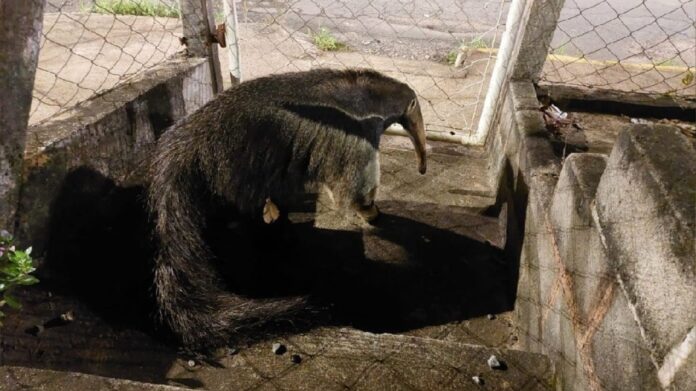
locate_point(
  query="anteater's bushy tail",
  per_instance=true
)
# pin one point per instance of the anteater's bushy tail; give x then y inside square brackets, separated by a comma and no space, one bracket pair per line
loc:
[187,290]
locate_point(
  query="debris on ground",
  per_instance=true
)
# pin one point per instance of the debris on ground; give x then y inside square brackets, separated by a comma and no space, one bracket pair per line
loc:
[191,363]
[494,363]
[478,380]
[279,348]
[564,128]
[60,320]
[296,358]
[491,316]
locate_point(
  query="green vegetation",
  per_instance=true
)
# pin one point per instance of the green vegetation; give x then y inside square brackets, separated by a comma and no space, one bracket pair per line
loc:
[451,57]
[561,50]
[325,41]
[16,267]
[136,7]
[672,62]
[476,43]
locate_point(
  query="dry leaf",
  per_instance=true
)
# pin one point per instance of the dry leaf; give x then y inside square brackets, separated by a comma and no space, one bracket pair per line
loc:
[270,212]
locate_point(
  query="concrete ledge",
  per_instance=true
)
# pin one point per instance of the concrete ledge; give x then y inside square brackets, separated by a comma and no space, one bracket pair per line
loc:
[587,325]
[645,210]
[111,134]
[20,378]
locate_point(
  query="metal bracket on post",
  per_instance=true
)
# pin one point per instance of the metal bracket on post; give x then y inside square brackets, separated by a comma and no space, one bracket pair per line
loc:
[219,36]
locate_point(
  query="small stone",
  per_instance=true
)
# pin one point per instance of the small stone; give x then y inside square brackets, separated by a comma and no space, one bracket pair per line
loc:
[279,348]
[191,363]
[296,358]
[67,317]
[478,380]
[491,316]
[494,363]
[232,351]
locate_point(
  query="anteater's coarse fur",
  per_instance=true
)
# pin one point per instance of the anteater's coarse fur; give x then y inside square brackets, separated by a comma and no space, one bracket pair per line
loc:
[265,138]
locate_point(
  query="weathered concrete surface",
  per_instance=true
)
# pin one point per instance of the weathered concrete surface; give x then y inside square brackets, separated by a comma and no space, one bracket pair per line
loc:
[331,358]
[587,325]
[110,134]
[645,209]
[603,332]
[20,378]
[339,359]
[525,170]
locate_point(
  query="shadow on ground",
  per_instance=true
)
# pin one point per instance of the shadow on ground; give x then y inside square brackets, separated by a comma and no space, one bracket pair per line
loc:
[412,268]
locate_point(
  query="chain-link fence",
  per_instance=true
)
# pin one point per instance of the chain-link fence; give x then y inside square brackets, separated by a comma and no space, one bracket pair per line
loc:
[445,49]
[89,46]
[646,46]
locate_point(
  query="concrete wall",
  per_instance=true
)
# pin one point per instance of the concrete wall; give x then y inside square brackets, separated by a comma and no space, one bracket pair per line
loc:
[607,284]
[110,134]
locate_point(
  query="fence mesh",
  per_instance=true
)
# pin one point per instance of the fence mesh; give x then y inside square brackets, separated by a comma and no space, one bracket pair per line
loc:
[445,49]
[89,46]
[628,45]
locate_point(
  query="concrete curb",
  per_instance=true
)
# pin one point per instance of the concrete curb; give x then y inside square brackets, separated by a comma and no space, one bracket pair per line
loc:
[645,210]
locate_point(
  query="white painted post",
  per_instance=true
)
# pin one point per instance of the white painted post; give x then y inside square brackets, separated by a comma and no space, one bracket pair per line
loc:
[529,29]
[500,71]
[232,32]
[21,23]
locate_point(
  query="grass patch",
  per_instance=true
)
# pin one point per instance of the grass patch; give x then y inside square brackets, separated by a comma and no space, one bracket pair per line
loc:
[325,41]
[476,43]
[136,7]
[561,51]
[672,62]
[451,57]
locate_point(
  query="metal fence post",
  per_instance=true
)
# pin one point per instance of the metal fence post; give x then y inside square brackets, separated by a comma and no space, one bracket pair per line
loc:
[235,65]
[529,29]
[199,23]
[21,23]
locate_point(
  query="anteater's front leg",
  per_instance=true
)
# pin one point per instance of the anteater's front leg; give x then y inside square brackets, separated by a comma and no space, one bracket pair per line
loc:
[365,191]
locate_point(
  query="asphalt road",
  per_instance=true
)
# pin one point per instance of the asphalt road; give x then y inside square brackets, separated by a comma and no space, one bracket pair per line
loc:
[661,31]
